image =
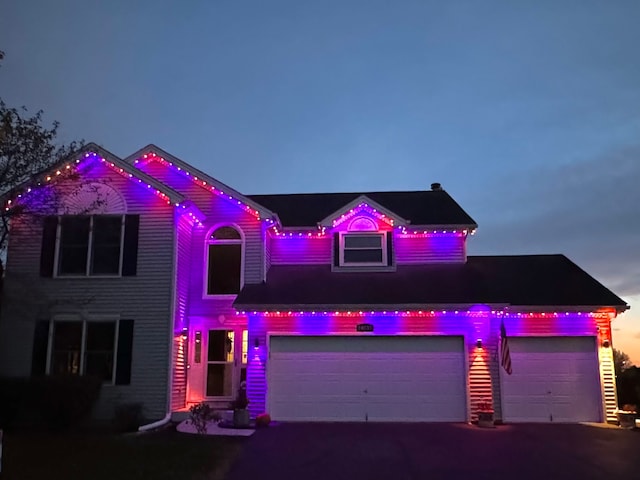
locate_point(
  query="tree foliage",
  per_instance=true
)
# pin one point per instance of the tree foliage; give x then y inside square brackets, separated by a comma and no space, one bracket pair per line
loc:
[621,361]
[27,147]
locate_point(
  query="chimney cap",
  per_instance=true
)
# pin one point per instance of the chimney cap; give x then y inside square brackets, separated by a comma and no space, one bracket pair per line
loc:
[436,187]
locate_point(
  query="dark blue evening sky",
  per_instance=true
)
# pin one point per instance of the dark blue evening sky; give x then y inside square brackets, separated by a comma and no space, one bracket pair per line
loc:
[528,113]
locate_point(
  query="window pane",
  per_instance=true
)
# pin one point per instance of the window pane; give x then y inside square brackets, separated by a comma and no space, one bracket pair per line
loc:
[67,335]
[363,256]
[74,244]
[220,348]
[99,364]
[245,345]
[363,241]
[226,233]
[101,335]
[219,378]
[67,338]
[224,269]
[99,349]
[65,363]
[105,258]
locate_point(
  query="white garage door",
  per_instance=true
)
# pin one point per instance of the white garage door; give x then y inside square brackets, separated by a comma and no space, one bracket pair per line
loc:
[554,380]
[367,378]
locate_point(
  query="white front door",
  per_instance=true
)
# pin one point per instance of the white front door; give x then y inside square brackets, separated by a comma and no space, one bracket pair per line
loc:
[367,378]
[554,379]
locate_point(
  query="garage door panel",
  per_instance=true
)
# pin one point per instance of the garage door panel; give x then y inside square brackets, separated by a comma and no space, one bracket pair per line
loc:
[350,379]
[554,379]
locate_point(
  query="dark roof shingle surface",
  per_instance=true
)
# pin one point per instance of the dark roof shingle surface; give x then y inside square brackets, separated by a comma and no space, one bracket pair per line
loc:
[420,208]
[526,280]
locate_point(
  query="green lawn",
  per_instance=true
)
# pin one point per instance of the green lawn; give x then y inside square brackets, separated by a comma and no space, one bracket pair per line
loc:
[94,456]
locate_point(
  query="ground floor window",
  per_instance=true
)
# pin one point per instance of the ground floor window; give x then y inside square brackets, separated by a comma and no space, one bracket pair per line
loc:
[226,362]
[83,348]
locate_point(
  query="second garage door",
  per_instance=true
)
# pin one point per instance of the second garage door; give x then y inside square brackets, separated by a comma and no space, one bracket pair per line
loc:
[367,378]
[554,379]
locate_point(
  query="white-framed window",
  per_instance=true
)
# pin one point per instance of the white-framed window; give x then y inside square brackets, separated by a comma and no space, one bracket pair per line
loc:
[365,249]
[223,274]
[89,245]
[227,352]
[83,347]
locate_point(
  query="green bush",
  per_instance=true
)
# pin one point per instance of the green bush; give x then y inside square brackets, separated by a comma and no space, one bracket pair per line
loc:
[52,402]
[200,415]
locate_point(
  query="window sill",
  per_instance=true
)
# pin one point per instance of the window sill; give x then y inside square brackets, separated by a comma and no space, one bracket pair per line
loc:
[76,277]
[363,268]
[224,296]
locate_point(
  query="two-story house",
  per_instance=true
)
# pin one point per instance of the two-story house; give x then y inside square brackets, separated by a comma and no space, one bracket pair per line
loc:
[331,307]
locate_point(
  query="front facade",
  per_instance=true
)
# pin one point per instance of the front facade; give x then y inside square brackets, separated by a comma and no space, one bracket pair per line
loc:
[331,307]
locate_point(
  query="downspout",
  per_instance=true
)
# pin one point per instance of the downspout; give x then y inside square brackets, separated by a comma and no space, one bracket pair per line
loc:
[174,268]
[156,424]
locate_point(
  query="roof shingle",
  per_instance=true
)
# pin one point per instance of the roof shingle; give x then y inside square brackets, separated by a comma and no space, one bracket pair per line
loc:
[523,280]
[420,208]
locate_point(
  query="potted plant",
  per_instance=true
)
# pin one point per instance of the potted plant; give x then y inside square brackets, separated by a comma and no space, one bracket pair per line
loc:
[240,411]
[627,416]
[485,414]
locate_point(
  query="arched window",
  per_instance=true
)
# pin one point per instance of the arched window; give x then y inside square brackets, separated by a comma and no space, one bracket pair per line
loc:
[224,261]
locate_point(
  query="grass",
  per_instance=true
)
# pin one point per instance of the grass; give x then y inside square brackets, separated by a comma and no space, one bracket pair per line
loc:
[96,455]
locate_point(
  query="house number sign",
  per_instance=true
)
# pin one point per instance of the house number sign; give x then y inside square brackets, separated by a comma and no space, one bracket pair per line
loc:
[364,327]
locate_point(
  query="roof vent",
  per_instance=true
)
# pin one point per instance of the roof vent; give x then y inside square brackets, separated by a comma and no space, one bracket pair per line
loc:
[436,187]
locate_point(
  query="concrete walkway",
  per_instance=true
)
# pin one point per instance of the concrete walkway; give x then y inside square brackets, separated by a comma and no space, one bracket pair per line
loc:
[433,451]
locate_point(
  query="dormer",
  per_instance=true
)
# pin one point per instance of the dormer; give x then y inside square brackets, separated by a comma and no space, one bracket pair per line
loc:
[375,231]
[362,235]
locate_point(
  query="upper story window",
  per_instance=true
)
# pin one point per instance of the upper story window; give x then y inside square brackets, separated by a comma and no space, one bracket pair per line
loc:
[363,249]
[90,245]
[224,262]
[363,245]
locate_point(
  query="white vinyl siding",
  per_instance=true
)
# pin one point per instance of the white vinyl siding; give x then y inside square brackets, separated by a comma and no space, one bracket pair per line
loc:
[144,298]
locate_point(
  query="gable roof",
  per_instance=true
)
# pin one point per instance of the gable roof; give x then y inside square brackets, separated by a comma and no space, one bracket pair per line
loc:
[358,204]
[173,195]
[434,208]
[523,280]
[194,172]
[77,158]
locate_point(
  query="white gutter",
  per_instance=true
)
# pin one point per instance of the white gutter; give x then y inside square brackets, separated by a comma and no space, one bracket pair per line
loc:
[156,424]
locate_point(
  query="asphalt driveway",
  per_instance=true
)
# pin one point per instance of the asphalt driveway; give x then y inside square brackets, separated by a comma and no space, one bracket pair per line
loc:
[371,451]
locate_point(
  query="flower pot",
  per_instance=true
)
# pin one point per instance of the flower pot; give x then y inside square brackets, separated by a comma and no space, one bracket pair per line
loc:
[485,419]
[241,418]
[627,419]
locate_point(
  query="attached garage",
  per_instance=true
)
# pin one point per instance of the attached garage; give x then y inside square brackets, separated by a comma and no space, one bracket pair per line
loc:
[554,379]
[367,378]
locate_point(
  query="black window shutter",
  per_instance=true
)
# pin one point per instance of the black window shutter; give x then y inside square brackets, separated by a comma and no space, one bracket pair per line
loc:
[40,345]
[389,248]
[48,252]
[336,250]
[130,254]
[124,353]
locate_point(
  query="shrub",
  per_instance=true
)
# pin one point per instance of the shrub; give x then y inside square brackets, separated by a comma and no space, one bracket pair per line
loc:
[200,415]
[128,417]
[52,402]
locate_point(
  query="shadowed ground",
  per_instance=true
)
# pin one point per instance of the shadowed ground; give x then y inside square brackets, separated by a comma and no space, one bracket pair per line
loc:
[430,451]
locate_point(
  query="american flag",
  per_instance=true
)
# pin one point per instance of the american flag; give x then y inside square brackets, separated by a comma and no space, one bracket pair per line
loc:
[505,359]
